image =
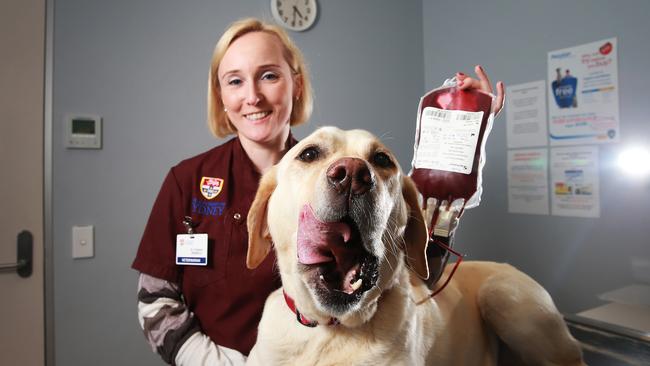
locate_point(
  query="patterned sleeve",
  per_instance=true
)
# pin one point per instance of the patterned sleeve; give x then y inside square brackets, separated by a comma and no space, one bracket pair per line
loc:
[172,330]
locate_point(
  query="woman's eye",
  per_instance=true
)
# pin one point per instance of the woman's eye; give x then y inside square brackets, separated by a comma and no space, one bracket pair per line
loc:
[269,76]
[309,154]
[234,82]
[382,160]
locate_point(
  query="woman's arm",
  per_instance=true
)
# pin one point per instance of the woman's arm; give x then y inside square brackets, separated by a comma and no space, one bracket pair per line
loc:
[172,330]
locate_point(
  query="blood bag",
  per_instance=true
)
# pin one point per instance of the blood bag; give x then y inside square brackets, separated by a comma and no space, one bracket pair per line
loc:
[448,157]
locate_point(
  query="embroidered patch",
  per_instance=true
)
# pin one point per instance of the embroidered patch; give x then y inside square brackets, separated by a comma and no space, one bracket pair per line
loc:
[207,208]
[210,187]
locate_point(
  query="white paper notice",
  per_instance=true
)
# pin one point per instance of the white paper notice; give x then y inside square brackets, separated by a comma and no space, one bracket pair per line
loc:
[583,94]
[526,115]
[528,181]
[575,182]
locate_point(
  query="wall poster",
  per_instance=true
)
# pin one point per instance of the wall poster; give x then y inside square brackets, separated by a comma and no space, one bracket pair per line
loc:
[583,94]
[528,181]
[526,115]
[575,181]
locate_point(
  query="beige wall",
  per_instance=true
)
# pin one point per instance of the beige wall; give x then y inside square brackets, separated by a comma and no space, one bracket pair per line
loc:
[22,33]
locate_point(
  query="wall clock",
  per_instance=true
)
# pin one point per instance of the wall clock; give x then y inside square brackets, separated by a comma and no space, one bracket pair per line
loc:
[296,15]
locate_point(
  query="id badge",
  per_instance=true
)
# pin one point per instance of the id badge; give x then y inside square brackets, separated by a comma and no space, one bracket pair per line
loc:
[192,249]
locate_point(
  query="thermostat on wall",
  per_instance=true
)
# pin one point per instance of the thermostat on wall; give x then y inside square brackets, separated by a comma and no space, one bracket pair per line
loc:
[83,132]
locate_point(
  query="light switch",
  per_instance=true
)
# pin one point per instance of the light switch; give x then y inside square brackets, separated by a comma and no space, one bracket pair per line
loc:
[83,241]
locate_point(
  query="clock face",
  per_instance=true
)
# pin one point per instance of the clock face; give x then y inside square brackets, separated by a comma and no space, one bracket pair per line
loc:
[297,15]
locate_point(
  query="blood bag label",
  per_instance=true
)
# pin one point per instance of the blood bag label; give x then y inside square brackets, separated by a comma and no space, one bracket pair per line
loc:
[448,140]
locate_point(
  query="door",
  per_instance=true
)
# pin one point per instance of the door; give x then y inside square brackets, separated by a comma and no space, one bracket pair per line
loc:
[22,65]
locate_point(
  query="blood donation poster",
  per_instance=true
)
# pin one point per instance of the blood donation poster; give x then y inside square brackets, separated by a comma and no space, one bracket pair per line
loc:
[583,94]
[575,181]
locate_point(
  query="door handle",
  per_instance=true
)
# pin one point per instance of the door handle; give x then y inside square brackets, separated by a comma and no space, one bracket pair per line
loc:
[24,254]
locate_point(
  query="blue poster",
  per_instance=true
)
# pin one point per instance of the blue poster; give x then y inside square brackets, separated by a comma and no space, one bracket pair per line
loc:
[583,94]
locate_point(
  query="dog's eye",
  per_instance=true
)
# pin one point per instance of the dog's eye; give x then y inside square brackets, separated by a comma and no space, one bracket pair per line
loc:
[382,160]
[309,154]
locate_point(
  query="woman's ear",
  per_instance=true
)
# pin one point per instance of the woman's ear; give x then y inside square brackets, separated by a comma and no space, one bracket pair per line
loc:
[415,235]
[297,86]
[259,238]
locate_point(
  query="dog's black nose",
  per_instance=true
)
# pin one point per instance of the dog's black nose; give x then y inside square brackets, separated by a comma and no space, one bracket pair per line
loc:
[350,175]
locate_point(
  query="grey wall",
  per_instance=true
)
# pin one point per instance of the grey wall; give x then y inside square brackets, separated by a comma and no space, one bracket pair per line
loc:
[575,258]
[142,65]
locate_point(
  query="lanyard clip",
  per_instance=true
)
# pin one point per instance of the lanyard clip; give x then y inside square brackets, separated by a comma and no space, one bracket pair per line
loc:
[189,225]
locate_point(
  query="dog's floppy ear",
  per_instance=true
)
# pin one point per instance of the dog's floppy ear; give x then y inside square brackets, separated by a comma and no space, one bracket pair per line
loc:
[415,235]
[259,238]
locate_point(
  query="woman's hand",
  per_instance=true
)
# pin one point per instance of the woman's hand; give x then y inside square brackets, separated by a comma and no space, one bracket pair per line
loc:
[483,83]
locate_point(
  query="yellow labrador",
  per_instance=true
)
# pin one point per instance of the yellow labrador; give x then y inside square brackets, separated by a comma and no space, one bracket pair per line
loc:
[350,239]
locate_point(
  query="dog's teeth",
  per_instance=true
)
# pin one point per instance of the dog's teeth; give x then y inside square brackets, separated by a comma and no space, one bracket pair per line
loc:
[322,278]
[355,286]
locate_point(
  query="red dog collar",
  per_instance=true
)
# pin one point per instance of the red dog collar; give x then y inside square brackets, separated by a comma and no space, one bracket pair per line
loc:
[301,318]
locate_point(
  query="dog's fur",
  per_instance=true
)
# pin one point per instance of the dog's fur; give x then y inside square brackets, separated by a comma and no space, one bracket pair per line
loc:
[390,320]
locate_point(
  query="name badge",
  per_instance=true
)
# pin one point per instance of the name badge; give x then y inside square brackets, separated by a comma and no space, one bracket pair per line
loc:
[192,249]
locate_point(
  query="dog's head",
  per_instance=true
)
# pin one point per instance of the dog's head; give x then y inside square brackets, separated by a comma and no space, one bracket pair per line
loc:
[343,219]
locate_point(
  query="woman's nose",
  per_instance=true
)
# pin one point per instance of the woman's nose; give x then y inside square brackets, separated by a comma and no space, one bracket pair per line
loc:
[253,95]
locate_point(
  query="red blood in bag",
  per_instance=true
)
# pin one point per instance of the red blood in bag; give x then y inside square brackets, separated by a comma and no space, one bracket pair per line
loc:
[447,185]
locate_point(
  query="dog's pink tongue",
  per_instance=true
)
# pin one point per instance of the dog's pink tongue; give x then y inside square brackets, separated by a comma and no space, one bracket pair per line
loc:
[316,238]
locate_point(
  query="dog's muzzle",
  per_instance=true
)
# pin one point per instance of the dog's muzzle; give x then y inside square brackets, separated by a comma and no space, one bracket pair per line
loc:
[334,237]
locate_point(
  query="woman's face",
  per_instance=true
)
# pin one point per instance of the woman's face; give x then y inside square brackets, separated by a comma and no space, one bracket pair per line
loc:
[257,88]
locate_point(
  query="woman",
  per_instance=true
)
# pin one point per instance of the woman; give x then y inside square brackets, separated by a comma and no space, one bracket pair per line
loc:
[258,88]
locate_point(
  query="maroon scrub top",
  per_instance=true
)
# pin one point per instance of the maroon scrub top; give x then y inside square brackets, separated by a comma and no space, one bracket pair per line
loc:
[216,189]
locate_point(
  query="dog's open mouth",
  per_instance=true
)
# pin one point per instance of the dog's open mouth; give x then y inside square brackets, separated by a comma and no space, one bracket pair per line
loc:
[332,256]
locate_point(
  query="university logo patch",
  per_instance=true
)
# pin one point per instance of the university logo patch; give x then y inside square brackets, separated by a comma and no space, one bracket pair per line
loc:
[210,187]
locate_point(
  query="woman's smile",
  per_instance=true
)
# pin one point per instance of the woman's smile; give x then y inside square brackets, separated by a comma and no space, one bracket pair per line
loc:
[257,116]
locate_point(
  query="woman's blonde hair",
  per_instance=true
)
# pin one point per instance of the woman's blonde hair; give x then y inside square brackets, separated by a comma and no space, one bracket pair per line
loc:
[218,121]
